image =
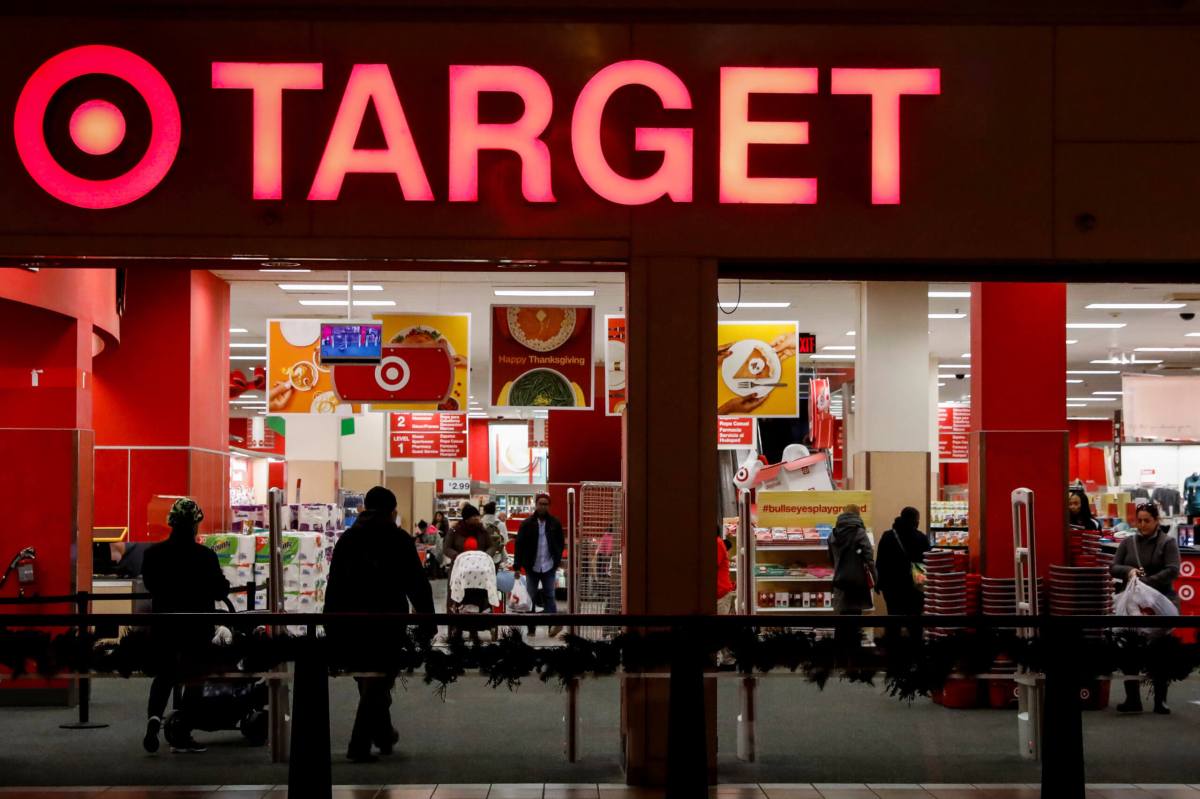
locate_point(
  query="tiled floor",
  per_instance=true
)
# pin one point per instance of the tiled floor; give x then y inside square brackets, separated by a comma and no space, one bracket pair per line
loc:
[590,791]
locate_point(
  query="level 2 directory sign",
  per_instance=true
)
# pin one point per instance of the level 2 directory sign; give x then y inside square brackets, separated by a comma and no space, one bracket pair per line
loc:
[426,435]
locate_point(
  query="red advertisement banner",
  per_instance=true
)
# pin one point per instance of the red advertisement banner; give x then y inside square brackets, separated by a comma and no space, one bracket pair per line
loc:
[405,374]
[954,433]
[426,435]
[542,357]
[735,432]
[615,366]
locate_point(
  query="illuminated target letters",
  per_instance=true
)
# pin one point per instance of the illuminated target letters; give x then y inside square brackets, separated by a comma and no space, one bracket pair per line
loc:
[97,127]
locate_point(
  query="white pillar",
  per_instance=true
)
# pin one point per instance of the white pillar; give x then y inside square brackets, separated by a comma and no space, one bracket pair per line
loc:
[892,384]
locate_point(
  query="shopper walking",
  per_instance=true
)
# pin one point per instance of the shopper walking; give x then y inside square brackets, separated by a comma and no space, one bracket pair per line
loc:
[375,569]
[1153,556]
[726,595]
[1079,509]
[539,551]
[497,533]
[900,564]
[182,576]
[853,569]
[468,535]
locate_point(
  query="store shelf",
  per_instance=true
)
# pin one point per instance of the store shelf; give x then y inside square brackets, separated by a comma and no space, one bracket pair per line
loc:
[793,610]
[791,579]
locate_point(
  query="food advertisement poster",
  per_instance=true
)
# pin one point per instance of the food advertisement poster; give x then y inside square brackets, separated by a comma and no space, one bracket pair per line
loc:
[541,357]
[757,369]
[614,364]
[809,508]
[426,435]
[297,382]
[451,332]
[954,433]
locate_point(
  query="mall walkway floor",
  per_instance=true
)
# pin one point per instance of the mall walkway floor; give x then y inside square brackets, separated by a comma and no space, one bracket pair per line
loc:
[607,791]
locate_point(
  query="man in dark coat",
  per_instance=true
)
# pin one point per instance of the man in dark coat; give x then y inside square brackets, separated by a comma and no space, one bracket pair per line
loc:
[538,552]
[900,549]
[375,569]
[182,576]
[853,563]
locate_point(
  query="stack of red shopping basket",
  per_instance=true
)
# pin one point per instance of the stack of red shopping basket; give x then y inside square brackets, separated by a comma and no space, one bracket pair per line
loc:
[1084,591]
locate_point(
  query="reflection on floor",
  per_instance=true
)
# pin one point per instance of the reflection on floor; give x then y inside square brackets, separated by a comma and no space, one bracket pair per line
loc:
[608,791]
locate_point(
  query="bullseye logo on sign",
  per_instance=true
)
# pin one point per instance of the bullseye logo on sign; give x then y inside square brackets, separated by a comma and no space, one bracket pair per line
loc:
[97,127]
[1187,593]
[1187,569]
[406,373]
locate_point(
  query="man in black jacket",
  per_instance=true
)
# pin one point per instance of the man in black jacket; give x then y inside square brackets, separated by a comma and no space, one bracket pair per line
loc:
[538,551]
[182,576]
[375,569]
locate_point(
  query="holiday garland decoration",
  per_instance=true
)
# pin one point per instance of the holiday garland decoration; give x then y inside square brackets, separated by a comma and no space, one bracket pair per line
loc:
[910,666]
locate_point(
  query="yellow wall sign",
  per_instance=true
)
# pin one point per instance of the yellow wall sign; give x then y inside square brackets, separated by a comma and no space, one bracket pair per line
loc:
[427,329]
[757,370]
[809,508]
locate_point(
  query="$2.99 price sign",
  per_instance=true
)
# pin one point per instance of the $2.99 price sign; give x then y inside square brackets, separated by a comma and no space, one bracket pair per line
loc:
[426,435]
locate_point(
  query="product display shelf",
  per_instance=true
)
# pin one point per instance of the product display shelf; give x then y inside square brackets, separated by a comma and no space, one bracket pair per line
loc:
[798,609]
[798,591]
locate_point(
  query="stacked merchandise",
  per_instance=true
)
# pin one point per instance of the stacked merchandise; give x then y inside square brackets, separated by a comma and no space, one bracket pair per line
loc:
[1000,599]
[1084,591]
[236,554]
[1085,550]
[948,523]
[950,591]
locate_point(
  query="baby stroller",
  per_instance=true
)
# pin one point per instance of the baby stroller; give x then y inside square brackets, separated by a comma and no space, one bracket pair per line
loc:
[473,585]
[236,703]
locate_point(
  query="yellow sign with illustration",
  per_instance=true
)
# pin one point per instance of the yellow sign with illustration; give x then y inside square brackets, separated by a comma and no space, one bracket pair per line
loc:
[790,509]
[757,370]
[297,382]
[452,331]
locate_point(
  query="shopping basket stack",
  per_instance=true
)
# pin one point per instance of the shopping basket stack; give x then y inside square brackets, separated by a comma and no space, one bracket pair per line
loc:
[1084,591]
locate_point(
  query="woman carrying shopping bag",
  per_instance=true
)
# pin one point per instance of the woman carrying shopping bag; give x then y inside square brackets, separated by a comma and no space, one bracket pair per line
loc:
[1148,558]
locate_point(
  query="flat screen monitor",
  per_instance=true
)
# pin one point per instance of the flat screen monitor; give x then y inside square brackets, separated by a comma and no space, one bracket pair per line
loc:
[351,342]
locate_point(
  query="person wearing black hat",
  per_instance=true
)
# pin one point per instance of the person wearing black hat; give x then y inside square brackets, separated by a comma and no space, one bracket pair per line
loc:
[375,569]
[182,576]
[469,529]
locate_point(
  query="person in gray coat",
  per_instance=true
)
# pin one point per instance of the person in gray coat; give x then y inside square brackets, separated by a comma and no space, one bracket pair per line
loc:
[853,558]
[1153,556]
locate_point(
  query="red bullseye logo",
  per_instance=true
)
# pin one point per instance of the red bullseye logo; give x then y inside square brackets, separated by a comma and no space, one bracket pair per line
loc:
[1188,569]
[97,127]
[1187,593]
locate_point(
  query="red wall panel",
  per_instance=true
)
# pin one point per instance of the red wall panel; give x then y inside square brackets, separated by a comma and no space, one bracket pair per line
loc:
[59,346]
[585,445]
[477,450]
[112,488]
[209,365]
[1087,463]
[154,472]
[87,294]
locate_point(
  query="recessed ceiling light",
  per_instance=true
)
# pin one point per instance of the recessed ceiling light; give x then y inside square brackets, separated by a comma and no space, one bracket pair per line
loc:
[247,357]
[1093,371]
[1130,361]
[947,295]
[344,303]
[239,345]
[1095,325]
[1192,335]
[853,333]
[238,330]
[741,305]
[1166,349]
[954,366]
[1087,418]
[545,292]
[1076,404]
[840,347]
[1091,399]
[941,385]
[947,316]
[315,287]
[1072,341]
[1069,380]
[1114,393]
[965,355]
[1136,306]
[832,357]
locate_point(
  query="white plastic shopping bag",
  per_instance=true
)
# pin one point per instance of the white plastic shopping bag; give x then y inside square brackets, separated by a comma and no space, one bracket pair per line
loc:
[519,600]
[1139,599]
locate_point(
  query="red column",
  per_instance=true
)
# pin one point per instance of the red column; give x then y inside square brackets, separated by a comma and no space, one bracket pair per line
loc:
[162,403]
[1018,419]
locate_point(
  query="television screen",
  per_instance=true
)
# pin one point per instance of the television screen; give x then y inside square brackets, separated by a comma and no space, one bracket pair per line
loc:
[351,342]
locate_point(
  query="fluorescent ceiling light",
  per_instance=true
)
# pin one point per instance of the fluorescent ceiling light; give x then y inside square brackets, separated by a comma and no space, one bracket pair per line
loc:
[1091,399]
[853,333]
[1167,349]
[1072,341]
[328,286]
[250,397]
[947,295]
[954,366]
[1093,371]
[741,305]
[1136,306]
[840,347]
[238,330]
[344,303]
[261,402]
[1087,418]
[548,293]
[1192,335]
[1076,404]
[832,357]
[947,316]
[965,355]
[1069,380]
[262,357]
[1095,325]
[248,345]
[1113,393]
[290,269]
[1131,361]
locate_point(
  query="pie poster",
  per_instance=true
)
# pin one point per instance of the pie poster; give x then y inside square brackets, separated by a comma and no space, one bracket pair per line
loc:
[615,367]
[297,382]
[451,330]
[541,357]
[757,369]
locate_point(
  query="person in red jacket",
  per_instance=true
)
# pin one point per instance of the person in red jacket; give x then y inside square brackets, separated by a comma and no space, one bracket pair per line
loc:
[726,596]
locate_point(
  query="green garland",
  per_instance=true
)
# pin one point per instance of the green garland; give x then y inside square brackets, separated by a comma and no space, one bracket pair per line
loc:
[909,666]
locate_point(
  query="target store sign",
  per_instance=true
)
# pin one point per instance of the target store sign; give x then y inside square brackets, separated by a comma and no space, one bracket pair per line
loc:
[97,128]
[419,435]
[404,374]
